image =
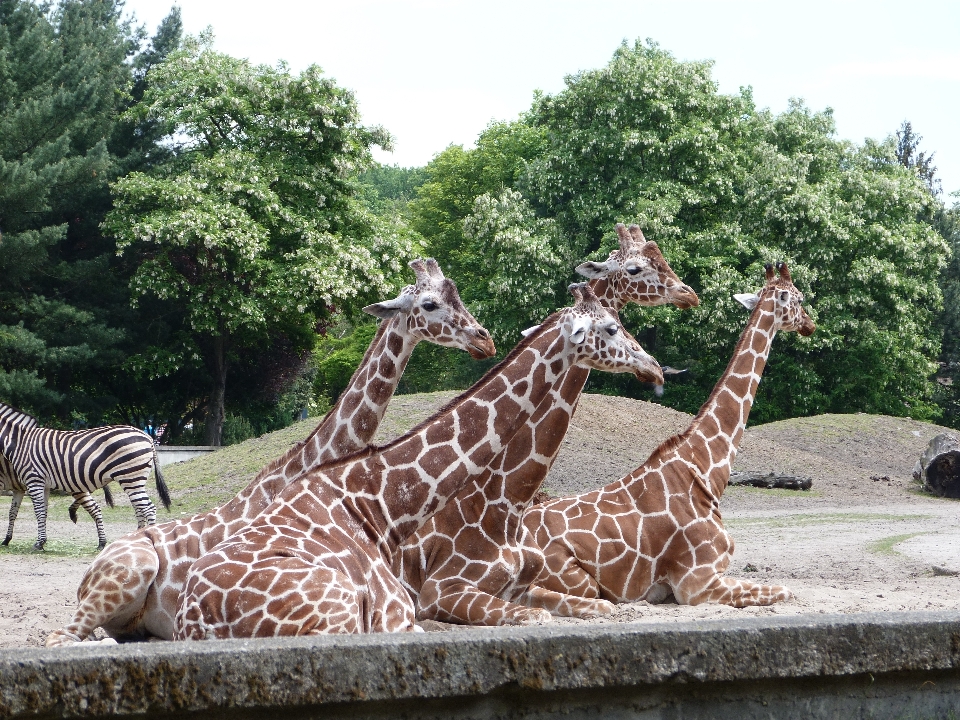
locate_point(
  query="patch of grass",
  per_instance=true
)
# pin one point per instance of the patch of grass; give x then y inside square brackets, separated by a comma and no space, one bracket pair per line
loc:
[884,546]
[53,549]
[820,519]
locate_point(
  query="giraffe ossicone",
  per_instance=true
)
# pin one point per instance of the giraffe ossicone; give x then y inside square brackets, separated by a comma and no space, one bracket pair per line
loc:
[131,590]
[657,531]
[474,562]
[318,560]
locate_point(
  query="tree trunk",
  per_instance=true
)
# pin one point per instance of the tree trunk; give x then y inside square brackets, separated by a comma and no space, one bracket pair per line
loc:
[213,425]
[938,469]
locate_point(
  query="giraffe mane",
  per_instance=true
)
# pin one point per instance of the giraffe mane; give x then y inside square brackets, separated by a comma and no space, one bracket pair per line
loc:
[331,416]
[673,441]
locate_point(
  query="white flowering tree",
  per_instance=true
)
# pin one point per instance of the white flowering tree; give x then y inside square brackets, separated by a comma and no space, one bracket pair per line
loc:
[522,265]
[723,187]
[254,225]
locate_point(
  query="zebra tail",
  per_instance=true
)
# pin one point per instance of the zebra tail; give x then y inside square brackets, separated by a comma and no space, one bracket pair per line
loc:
[162,490]
[107,495]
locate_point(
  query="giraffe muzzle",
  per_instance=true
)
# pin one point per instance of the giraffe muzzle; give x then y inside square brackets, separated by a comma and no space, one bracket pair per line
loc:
[686,298]
[481,346]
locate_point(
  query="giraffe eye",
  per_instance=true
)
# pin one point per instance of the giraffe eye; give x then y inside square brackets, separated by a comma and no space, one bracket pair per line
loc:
[612,330]
[633,269]
[784,296]
[429,306]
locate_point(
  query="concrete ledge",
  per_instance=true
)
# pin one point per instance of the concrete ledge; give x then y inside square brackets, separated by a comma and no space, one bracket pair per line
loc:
[881,665]
[167,454]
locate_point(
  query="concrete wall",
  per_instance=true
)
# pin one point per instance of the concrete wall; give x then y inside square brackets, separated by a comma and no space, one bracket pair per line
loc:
[167,454]
[904,665]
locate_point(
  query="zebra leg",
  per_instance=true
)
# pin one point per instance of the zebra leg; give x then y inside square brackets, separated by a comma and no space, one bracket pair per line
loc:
[92,507]
[14,510]
[142,505]
[37,489]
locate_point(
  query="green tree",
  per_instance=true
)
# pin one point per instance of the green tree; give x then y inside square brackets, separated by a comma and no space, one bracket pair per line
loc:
[65,74]
[724,188]
[255,229]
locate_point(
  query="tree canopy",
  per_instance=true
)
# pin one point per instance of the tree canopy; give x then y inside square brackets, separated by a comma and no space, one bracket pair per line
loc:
[254,229]
[723,187]
[66,73]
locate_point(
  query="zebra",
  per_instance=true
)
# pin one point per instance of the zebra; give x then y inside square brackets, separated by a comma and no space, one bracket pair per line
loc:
[9,482]
[78,462]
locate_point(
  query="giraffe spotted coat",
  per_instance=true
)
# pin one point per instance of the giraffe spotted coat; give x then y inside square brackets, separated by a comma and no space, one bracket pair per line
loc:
[474,562]
[132,588]
[658,531]
[318,560]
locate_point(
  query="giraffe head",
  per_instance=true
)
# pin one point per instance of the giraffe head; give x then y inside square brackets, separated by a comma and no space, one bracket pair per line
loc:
[432,311]
[602,342]
[786,302]
[639,273]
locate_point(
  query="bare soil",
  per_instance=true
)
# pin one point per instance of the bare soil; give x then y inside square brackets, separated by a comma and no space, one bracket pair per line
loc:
[864,538]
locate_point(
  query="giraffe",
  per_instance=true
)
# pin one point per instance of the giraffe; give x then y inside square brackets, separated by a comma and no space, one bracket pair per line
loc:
[131,590]
[473,562]
[318,560]
[658,530]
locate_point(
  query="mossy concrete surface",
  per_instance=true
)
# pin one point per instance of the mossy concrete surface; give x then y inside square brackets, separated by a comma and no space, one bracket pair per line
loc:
[870,665]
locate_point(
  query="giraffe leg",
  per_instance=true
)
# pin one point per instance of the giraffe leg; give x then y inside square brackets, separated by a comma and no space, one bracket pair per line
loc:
[465,604]
[112,593]
[564,605]
[703,585]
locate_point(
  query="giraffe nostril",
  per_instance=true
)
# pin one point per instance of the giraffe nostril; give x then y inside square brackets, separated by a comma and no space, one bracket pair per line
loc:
[482,332]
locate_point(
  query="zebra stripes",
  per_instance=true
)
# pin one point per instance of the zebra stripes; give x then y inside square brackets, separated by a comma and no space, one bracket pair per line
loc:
[78,462]
[9,482]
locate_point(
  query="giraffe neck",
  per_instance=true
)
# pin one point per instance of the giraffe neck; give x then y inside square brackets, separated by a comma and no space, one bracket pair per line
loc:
[516,475]
[608,293]
[348,428]
[398,487]
[713,437]
[352,423]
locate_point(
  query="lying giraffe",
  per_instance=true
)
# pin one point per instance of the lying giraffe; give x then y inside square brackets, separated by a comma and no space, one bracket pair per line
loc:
[318,559]
[131,590]
[473,563]
[658,531]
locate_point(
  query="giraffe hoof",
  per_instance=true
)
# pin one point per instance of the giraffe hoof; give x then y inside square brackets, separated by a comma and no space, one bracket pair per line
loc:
[528,616]
[600,608]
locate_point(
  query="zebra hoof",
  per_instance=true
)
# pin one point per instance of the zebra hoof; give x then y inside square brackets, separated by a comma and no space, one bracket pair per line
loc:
[38,546]
[101,546]
[73,515]
[6,542]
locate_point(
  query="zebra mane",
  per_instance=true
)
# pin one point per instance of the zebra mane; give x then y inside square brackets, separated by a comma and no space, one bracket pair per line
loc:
[10,414]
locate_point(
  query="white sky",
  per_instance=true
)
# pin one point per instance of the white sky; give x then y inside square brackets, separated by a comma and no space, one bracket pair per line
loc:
[435,73]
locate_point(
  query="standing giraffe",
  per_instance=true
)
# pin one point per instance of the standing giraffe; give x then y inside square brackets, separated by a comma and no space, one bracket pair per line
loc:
[131,590]
[318,560]
[473,562]
[658,530]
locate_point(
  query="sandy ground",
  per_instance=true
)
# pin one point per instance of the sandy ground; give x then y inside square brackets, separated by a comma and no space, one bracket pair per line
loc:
[863,539]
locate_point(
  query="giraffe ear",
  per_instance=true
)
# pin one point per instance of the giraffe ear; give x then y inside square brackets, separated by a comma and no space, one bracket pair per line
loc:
[578,331]
[594,270]
[389,308]
[748,300]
